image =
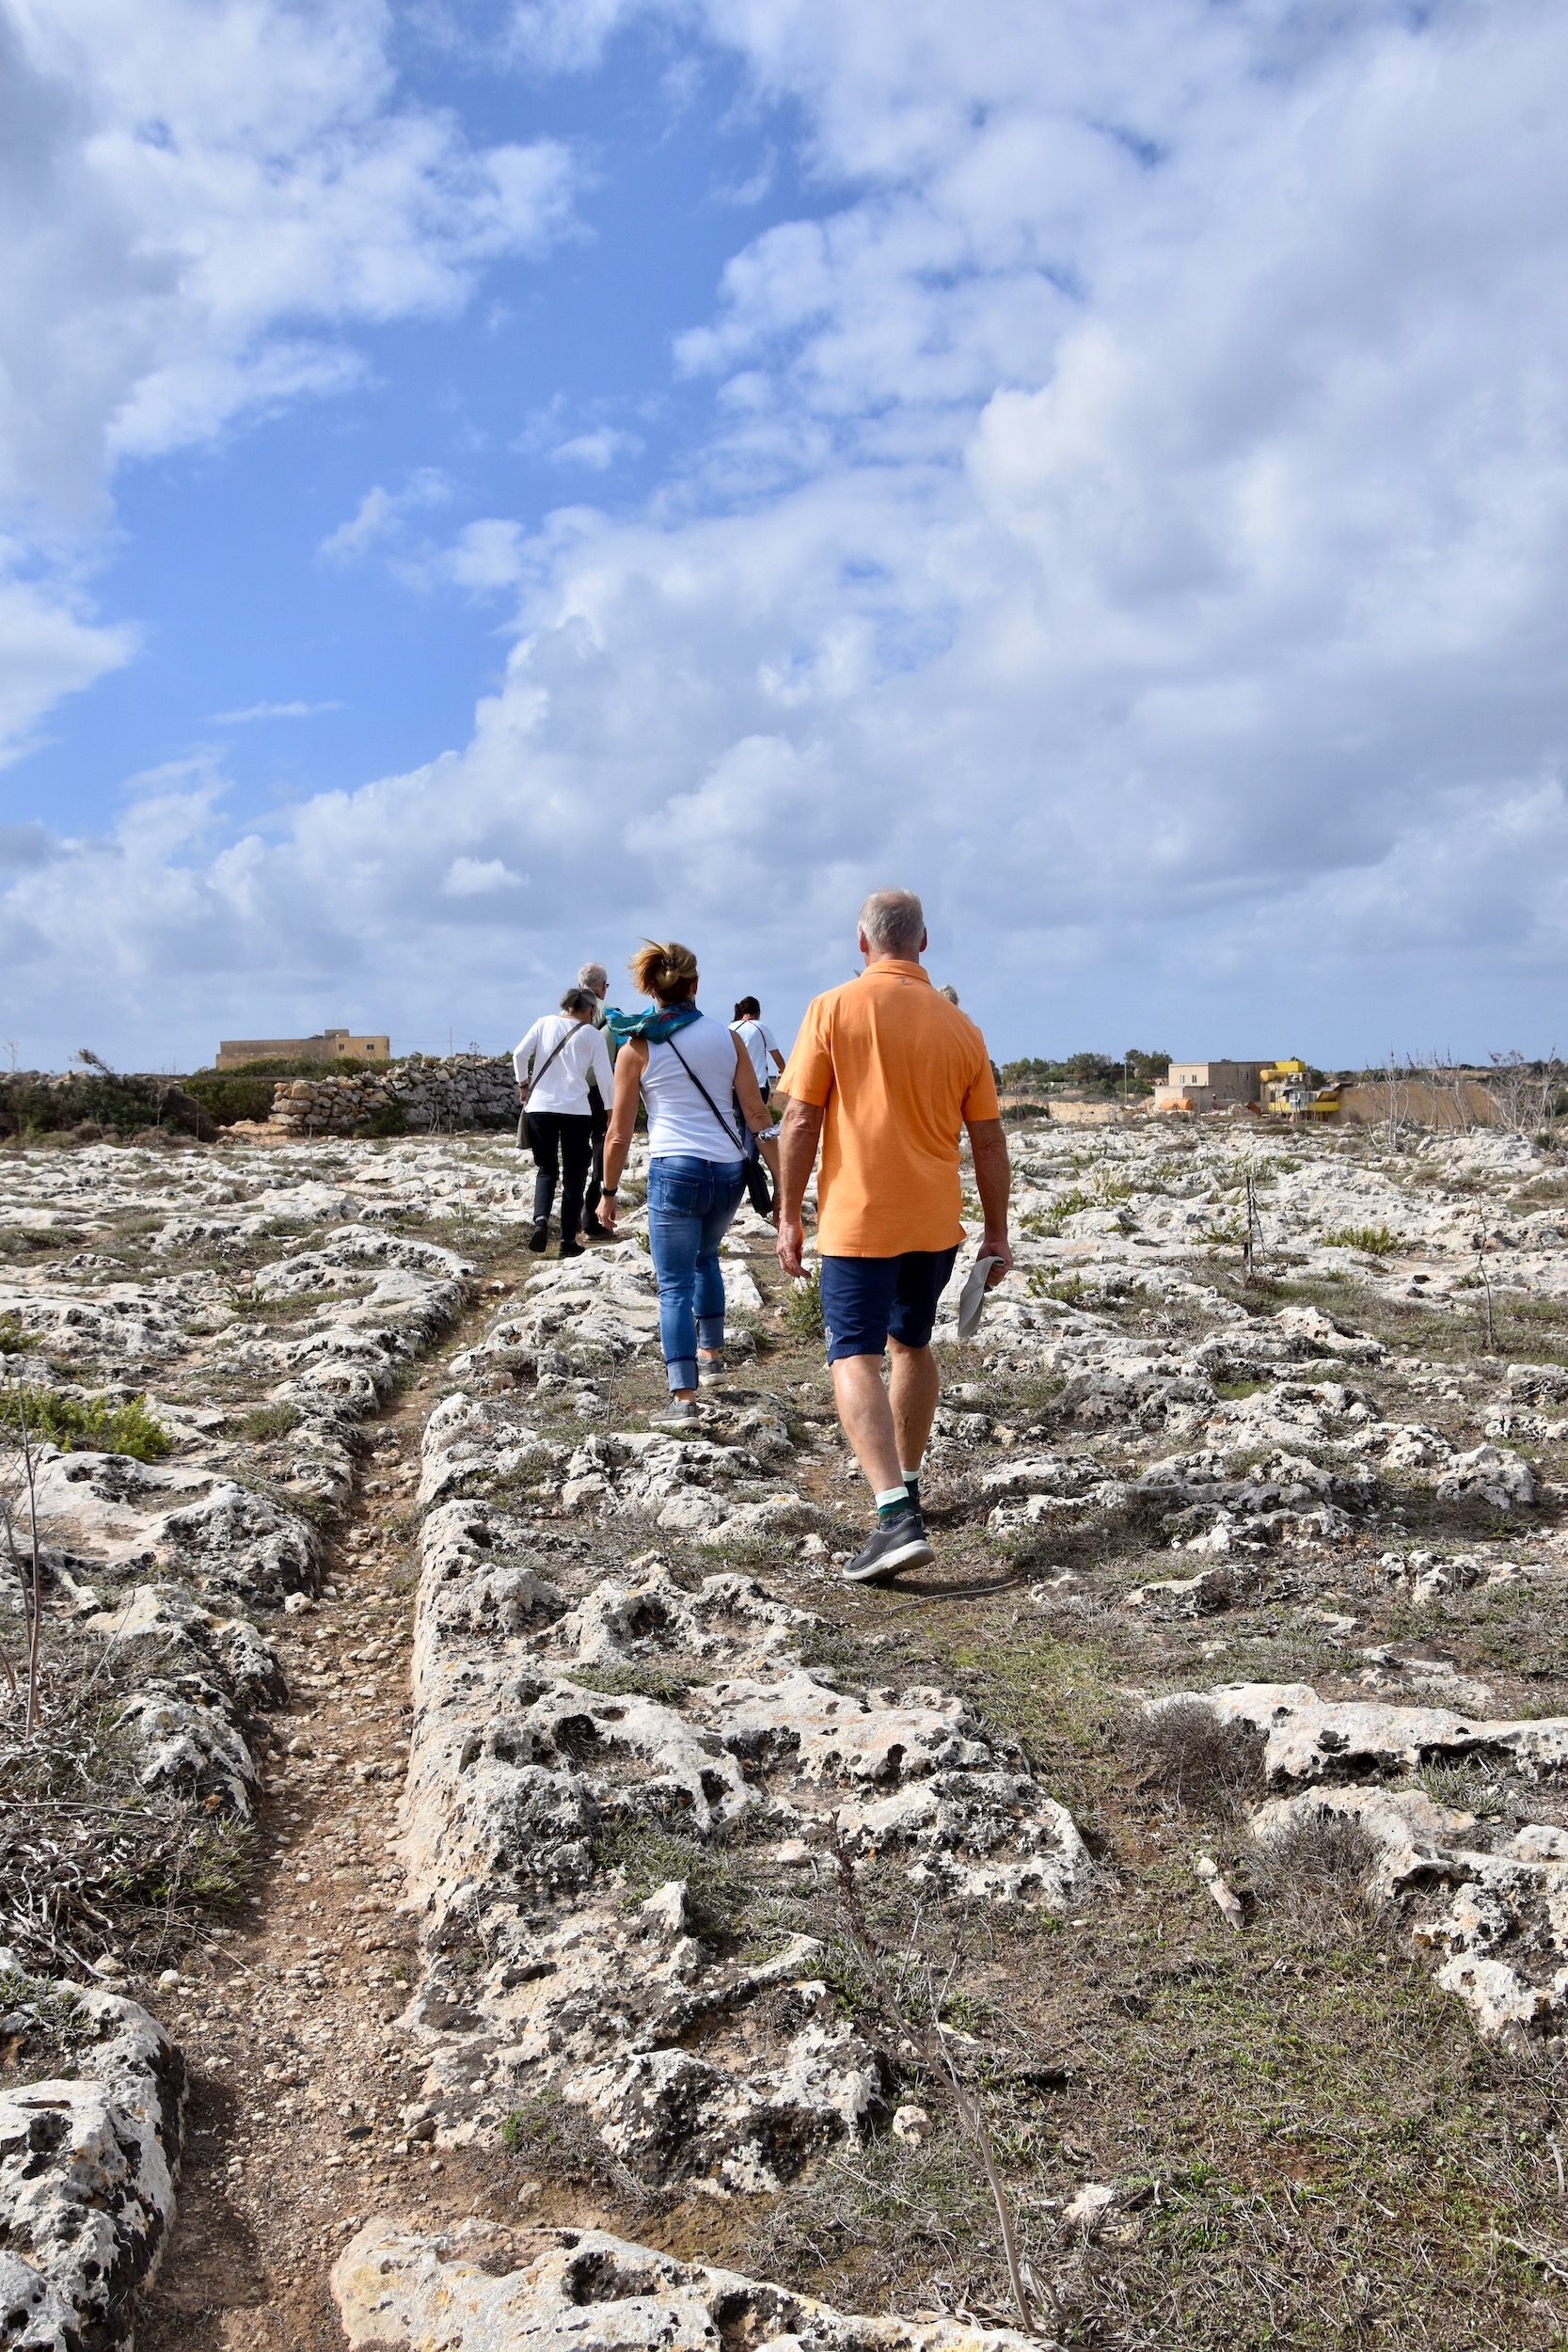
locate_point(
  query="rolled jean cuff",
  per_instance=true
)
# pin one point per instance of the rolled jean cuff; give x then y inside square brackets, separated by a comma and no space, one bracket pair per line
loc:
[711,1330]
[682,1373]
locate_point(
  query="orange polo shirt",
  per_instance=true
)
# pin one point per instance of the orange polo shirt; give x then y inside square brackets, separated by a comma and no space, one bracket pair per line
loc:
[898,1069]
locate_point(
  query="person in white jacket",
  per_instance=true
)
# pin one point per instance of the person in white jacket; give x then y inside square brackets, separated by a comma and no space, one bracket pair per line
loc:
[553,1064]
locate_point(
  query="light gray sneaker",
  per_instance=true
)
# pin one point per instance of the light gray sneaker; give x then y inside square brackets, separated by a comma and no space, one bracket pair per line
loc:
[680,1414]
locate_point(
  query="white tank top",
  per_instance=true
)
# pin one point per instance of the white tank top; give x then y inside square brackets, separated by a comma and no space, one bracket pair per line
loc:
[680,1124]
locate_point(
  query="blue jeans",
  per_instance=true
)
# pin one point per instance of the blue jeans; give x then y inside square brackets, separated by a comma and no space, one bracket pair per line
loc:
[691,1205]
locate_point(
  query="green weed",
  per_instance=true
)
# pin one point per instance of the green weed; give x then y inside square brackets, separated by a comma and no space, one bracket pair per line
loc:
[716,1896]
[92,1425]
[1376,1241]
[804,1311]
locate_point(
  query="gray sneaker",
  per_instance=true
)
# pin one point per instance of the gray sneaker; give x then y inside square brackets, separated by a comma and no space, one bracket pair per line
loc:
[901,1544]
[680,1414]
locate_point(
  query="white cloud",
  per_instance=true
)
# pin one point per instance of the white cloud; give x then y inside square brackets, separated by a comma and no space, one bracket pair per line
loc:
[187,184]
[475,878]
[371,518]
[50,645]
[272,711]
[380,515]
[565,36]
[201,200]
[1136,516]
[599,450]
[486,555]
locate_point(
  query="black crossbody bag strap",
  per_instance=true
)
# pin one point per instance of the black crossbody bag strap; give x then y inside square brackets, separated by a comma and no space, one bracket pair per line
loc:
[707,1098]
[524,1132]
[555,1049]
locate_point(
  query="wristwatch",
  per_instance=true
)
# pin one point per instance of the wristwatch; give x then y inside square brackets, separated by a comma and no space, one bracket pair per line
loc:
[607,1194]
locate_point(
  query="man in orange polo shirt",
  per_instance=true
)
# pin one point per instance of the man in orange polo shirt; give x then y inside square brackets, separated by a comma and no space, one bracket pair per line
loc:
[884,1072]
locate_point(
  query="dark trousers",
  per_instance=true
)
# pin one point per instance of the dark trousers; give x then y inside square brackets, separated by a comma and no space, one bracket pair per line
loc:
[562,1144]
[757,1192]
[598,1121]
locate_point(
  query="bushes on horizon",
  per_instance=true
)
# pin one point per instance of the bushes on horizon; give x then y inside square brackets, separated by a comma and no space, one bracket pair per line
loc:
[1096,1074]
[226,1099]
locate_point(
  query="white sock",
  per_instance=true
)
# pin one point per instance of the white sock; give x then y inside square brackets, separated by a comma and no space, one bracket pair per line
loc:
[910,1476]
[893,1494]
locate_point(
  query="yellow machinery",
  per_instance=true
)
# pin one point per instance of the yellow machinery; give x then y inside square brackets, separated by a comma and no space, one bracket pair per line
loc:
[1287,1093]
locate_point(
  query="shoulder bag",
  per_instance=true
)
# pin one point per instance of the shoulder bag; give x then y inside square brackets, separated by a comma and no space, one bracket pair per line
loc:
[744,1142]
[524,1133]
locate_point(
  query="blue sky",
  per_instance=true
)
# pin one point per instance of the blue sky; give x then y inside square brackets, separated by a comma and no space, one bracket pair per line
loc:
[478,484]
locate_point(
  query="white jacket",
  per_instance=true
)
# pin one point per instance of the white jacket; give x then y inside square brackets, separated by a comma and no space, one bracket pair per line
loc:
[565,1084]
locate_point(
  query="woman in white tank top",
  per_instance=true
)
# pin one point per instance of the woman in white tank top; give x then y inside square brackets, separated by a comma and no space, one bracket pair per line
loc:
[703,1101]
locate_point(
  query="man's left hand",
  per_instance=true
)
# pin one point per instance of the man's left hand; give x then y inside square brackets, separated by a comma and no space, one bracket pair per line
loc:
[997,1246]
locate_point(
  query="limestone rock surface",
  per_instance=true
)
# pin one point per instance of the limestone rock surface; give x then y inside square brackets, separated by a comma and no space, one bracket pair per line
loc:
[86,2171]
[480,2289]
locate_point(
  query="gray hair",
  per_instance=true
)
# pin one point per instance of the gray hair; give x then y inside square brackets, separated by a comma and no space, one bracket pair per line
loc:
[592,972]
[580,1003]
[894,922]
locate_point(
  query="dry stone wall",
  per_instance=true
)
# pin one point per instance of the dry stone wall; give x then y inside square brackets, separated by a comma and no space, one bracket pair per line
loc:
[460,1090]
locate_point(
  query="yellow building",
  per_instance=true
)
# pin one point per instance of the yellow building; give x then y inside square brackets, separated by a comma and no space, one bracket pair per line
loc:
[328,1045]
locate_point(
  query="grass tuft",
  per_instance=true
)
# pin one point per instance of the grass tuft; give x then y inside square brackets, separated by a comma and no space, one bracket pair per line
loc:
[1201,1764]
[270,1420]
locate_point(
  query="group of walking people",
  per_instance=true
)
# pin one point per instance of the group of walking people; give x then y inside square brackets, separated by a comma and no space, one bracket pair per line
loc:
[885,1073]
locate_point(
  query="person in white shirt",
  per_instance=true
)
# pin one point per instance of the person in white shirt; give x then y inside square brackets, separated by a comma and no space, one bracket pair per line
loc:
[554,1063]
[759,1041]
[763,1047]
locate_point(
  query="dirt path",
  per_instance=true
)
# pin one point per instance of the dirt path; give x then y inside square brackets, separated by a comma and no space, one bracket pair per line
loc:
[289,2026]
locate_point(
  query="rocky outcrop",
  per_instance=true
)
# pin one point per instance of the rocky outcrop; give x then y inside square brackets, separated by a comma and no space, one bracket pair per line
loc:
[573,1739]
[1487,1897]
[167,1563]
[636,1794]
[88,2160]
[481,2288]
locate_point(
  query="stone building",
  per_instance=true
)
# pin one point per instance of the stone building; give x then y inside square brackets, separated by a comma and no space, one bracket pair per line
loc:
[1209,1085]
[327,1045]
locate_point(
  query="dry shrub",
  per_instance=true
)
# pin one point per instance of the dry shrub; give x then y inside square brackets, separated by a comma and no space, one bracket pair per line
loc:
[1318,1854]
[1185,1753]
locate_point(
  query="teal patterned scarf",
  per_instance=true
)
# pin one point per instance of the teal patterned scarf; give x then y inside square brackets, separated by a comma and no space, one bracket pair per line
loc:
[658,1023]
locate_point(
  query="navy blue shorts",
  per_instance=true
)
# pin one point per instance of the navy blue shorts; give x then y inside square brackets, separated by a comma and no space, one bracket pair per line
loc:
[867,1301]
